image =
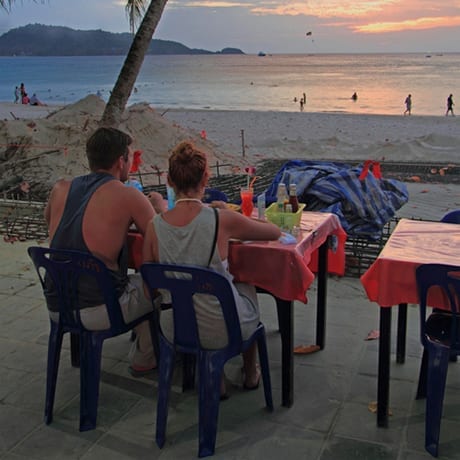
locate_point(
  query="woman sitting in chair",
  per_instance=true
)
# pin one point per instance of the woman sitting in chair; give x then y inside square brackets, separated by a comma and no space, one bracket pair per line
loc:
[193,233]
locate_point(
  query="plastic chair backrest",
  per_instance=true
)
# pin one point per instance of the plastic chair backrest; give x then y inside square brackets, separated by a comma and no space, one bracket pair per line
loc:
[443,276]
[452,217]
[212,194]
[65,269]
[183,282]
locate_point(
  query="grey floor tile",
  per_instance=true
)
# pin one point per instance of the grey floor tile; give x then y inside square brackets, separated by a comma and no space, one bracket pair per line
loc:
[351,449]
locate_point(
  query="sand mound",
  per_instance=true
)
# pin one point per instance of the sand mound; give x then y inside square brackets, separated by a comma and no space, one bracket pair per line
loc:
[42,150]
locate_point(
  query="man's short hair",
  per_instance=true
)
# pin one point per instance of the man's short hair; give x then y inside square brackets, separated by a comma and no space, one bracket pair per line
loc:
[106,146]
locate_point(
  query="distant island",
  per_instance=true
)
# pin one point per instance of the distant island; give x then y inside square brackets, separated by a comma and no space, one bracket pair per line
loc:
[41,40]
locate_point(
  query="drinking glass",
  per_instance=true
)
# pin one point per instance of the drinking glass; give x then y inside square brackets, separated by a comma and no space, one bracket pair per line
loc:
[247,205]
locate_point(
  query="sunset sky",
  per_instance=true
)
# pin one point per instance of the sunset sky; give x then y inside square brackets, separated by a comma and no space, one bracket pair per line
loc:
[343,26]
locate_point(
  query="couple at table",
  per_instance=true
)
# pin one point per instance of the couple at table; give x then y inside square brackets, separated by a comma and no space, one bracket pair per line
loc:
[94,212]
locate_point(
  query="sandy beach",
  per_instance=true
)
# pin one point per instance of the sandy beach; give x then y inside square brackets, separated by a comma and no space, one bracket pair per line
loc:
[41,144]
[327,135]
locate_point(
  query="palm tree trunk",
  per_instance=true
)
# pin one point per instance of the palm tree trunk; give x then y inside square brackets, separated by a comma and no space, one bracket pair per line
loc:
[132,65]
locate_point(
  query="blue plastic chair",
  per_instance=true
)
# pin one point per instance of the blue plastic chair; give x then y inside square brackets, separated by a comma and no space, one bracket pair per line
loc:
[452,217]
[212,194]
[183,282]
[440,336]
[65,268]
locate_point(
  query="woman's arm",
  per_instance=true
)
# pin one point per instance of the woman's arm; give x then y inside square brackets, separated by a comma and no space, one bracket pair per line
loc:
[149,250]
[234,225]
[150,246]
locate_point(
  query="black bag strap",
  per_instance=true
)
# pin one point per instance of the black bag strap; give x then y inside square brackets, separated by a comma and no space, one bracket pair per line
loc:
[213,248]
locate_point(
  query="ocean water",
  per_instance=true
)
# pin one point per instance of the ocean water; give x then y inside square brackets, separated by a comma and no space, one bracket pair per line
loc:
[247,82]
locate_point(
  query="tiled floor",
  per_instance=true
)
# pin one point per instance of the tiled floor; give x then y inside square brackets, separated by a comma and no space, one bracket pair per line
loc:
[330,418]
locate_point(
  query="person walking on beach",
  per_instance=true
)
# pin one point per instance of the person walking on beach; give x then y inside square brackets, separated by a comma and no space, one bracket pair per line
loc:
[17,93]
[408,103]
[450,105]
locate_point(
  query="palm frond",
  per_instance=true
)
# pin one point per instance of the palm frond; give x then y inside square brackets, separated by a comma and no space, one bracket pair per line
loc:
[135,10]
[7,4]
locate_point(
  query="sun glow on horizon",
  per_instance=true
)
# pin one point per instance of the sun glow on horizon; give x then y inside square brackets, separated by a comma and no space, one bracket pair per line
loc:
[409,24]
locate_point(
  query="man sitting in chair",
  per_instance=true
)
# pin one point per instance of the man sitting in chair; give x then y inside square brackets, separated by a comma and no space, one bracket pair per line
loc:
[93,213]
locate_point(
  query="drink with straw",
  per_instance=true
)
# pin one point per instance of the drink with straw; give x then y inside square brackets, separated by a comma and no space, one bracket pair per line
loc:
[247,205]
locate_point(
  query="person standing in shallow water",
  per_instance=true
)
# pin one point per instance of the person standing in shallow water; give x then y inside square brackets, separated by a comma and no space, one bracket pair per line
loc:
[450,105]
[408,103]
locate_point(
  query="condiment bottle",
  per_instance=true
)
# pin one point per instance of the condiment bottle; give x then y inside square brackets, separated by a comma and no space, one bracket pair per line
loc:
[293,201]
[281,197]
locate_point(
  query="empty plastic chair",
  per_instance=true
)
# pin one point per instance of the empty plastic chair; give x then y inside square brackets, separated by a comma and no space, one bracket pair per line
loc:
[212,194]
[64,269]
[440,336]
[452,217]
[183,282]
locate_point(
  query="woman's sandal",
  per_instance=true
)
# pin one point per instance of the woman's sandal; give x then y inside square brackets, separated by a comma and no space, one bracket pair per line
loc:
[252,387]
[138,371]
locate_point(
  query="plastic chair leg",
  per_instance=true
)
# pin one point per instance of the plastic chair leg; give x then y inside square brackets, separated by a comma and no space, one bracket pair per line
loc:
[265,368]
[188,366]
[165,374]
[154,324]
[438,362]
[54,354]
[75,350]
[210,375]
[90,372]
[421,388]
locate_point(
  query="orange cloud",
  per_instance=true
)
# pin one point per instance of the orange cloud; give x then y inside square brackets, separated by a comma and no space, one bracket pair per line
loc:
[409,24]
[324,9]
[209,4]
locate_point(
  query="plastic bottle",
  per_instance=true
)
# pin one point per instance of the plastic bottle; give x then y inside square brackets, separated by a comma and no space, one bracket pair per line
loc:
[281,197]
[261,206]
[293,201]
[134,183]
[171,195]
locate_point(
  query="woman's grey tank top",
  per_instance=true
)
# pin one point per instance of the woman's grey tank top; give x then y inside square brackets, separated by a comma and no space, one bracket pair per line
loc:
[193,244]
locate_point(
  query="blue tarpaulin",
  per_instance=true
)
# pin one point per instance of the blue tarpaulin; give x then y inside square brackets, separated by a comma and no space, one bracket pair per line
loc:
[363,206]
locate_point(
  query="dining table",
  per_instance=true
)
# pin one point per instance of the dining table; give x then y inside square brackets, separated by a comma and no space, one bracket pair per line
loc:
[285,271]
[390,281]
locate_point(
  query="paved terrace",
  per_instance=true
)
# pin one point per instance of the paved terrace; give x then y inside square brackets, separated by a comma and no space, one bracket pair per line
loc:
[329,420]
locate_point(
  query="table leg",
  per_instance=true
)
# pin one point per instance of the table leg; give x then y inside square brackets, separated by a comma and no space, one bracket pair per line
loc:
[383,378]
[401,333]
[286,324]
[322,294]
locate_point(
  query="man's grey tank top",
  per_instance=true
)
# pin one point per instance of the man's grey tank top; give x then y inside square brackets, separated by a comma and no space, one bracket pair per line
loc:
[193,244]
[69,235]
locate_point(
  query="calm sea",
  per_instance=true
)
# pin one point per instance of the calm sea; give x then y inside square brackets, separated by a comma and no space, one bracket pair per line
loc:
[247,82]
